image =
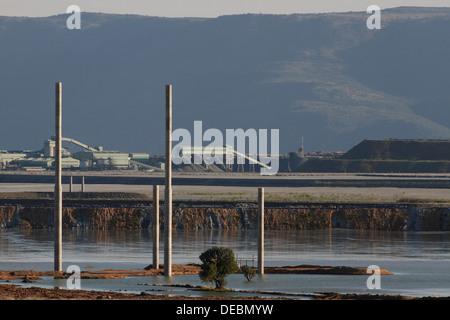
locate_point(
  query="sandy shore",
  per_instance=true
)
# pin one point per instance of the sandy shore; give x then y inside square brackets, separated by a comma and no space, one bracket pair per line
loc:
[31,275]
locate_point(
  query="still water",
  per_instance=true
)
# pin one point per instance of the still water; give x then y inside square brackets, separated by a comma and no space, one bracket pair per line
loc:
[420,261]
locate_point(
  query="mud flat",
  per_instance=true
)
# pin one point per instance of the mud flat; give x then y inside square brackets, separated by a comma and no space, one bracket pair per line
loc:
[15,292]
[31,275]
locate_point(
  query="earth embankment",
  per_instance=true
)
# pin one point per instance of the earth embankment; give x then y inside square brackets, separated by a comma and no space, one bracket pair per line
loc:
[104,214]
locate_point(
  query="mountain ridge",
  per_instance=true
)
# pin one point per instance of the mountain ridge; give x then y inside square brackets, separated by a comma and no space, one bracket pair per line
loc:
[309,75]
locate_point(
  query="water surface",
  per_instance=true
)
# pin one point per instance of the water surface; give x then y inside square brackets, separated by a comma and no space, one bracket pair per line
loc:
[420,261]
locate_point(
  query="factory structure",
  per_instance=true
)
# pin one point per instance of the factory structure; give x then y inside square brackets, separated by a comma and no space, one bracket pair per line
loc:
[96,158]
[386,155]
[89,158]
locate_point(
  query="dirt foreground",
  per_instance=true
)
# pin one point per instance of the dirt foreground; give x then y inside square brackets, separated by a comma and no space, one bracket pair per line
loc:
[13,292]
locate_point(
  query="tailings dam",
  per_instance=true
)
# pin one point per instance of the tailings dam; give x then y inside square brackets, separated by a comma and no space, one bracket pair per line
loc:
[113,214]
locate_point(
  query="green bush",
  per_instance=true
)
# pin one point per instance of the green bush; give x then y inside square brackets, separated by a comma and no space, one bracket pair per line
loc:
[217,264]
[248,272]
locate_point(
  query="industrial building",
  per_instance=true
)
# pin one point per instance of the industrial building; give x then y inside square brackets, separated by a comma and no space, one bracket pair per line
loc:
[96,158]
[90,158]
[103,159]
[229,160]
[6,157]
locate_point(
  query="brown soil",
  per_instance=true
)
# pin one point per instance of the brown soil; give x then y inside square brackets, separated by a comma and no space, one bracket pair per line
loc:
[12,292]
[338,296]
[31,275]
[311,269]
[103,274]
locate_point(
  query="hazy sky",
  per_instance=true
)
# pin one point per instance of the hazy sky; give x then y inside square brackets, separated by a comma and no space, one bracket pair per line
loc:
[201,8]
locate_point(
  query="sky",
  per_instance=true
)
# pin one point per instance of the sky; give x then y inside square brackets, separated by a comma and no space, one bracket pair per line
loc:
[201,8]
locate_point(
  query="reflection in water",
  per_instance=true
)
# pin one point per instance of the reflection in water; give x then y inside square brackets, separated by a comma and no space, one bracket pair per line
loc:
[297,247]
[419,260]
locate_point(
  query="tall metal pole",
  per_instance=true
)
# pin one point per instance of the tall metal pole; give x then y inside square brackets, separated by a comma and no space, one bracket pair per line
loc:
[156,227]
[168,188]
[58,188]
[260,230]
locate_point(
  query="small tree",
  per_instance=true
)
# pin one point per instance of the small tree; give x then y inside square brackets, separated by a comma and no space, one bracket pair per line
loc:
[248,272]
[217,264]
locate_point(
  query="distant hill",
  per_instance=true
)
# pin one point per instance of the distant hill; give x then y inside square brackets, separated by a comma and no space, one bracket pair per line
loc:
[325,77]
[407,156]
[396,149]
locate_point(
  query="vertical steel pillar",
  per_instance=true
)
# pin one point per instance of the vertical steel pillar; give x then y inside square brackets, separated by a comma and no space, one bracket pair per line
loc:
[260,230]
[58,188]
[168,188]
[156,227]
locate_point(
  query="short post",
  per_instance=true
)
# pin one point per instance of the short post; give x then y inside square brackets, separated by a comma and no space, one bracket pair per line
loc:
[58,187]
[260,219]
[156,227]
[70,184]
[82,184]
[168,187]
